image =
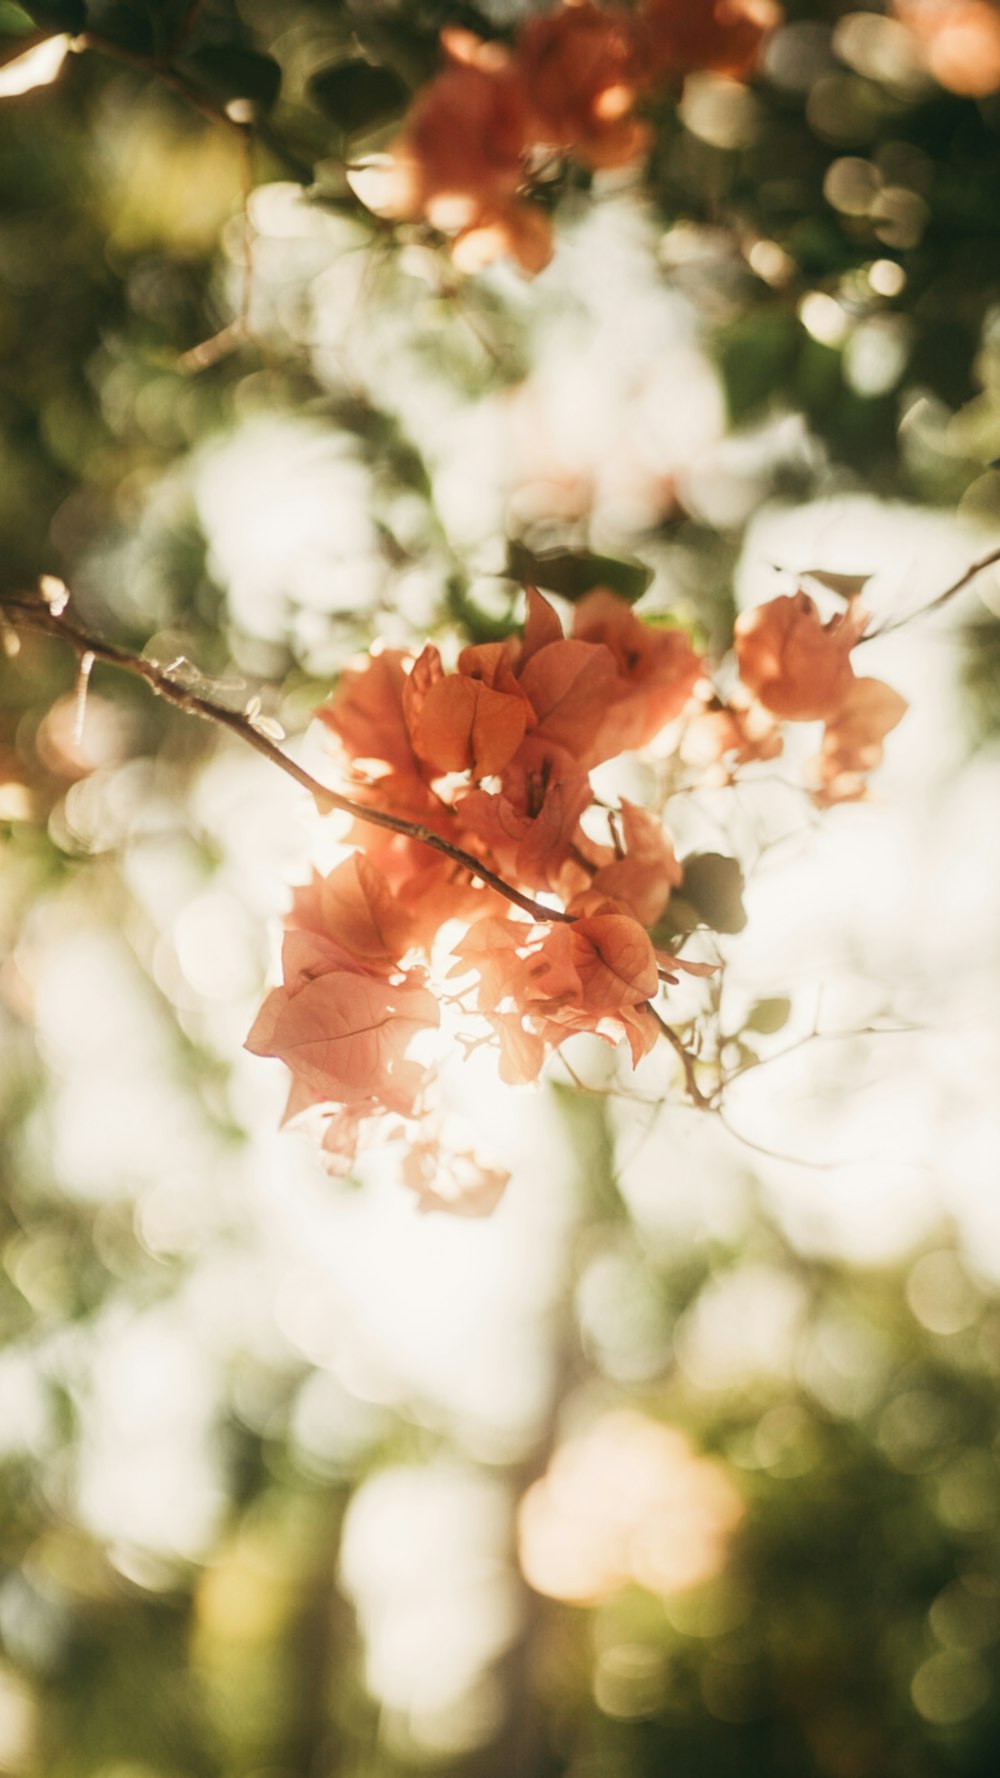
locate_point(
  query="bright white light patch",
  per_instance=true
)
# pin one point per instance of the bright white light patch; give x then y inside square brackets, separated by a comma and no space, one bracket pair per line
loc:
[37,67]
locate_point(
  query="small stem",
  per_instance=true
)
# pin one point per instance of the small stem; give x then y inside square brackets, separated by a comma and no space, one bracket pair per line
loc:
[185,25]
[246,185]
[36,614]
[39,616]
[82,686]
[957,586]
[695,1094]
[160,68]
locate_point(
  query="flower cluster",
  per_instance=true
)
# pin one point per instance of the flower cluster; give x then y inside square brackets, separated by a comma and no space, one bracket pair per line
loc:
[959,40]
[799,669]
[569,86]
[478,785]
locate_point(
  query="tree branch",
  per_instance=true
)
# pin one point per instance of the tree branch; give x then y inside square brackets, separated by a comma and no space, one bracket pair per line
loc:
[957,586]
[159,66]
[694,1092]
[36,613]
[182,31]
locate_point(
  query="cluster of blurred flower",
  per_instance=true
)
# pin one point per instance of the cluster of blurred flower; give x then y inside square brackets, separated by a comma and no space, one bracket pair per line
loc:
[959,40]
[491,764]
[799,669]
[570,85]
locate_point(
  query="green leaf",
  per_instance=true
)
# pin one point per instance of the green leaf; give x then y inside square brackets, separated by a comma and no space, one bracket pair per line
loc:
[357,96]
[575,572]
[14,21]
[479,625]
[713,886]
[228,72]
[391,42]
[769,1016]
[61,15]
[757,356]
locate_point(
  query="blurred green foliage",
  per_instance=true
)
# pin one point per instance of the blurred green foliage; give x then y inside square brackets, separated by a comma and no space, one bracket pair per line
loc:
[839,239]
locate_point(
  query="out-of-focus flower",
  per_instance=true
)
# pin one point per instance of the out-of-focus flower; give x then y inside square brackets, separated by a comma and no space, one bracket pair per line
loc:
[460,159]
[720,36]
[579,71]
[853,742]
[628,1501]
[657,670]
[798,667]
[960,42]
[726,735]
[464,157]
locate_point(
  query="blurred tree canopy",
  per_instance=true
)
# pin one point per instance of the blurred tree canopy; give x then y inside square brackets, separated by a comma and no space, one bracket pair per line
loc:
[254,426]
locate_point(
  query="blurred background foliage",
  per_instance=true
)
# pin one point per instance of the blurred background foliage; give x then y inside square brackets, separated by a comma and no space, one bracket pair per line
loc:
[264,1437]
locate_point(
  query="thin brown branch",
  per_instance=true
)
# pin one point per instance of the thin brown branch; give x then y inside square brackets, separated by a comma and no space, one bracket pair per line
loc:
[776,1154]
[160,68]
[247,237]
[694,1092]
[182,31]
[236,333]
[808,1037]
[950,592]
[35,614]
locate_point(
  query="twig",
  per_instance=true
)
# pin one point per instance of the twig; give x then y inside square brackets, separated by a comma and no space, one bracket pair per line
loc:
[46,616]
[246,183]
[694,1091]
[159,66]
[80,708]
[237,332]
[182,31]
[775,1154]
[819,1037]
[957,586]
[37,615]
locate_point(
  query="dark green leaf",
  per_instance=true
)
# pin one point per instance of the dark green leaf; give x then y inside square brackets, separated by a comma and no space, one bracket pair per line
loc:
[768,1016]
[357,95]
[680,917]
[62,15]
[757,354]
[14,22]
[229,72]
[479,625]
[574,572]
[128,22]
[713,886]
[392,42]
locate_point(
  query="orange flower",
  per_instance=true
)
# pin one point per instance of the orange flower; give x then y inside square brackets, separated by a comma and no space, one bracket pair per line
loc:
[528,827]
[798,667]
[726,735]
[853,743]
[578,67]
[960,40]
[642,879]
[721,36]
[657,671]
[507,231]
[470,721]
[460,159]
